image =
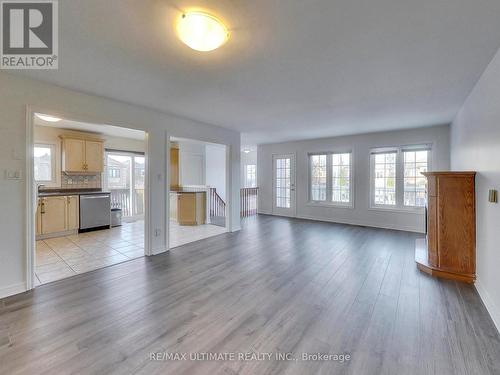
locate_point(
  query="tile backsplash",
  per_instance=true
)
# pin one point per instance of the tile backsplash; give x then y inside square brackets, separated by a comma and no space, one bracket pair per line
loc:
[75,181]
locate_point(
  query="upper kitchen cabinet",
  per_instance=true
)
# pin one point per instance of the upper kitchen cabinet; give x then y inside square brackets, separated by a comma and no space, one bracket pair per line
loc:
[82,154]
[94,156]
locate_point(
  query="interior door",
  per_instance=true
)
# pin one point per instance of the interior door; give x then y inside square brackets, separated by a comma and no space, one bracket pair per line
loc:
[284,185]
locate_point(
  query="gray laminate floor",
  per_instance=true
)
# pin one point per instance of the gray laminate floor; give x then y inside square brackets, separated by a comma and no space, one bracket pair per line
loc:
[278,286]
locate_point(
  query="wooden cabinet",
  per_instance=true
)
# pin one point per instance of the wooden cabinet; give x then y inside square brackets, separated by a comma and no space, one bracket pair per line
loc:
[94,156]
[73,155]
[173,206]
[82,155]
[191,208]
[53,210]
[174,167]
[57,214]
[38,218]
[72,212]
[449,249]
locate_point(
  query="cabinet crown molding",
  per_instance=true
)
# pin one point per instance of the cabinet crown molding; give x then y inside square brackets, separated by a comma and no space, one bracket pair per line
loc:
[85,137]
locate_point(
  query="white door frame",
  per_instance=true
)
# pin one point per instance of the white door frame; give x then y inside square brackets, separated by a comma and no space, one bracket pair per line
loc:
[229,200]
[292,211]
[30,197]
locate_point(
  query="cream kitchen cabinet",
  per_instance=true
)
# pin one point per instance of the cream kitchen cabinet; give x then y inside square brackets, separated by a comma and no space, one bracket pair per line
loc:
[53,210]
[72,212]
[94,156]
[82,155]
[57,214]
[38,219]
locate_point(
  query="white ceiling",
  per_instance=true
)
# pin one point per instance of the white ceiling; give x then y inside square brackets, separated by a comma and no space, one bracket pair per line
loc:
[292,69]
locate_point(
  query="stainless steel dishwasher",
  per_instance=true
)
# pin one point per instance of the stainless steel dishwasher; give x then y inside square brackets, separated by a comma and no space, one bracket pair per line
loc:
[95,211]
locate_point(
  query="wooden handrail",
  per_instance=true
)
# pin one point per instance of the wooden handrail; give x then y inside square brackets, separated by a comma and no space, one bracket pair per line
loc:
[249,201]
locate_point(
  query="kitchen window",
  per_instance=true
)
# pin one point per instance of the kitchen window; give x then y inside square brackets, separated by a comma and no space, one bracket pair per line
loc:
[330,178]
[44,157]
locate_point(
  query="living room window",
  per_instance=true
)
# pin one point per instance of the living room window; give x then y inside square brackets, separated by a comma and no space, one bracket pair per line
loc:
[330,178]
[384,173]
[396,179]
[415,184]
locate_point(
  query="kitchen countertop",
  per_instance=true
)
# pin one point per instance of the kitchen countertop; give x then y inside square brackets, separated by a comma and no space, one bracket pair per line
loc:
[190,191]
[63,192]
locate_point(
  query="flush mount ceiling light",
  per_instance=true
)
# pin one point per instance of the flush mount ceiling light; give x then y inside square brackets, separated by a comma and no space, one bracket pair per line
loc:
[47,118]
[201,31]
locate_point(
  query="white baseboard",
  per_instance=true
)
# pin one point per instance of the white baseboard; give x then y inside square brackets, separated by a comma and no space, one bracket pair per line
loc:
[492,308]
[363,224]
[354,222]
[12,289]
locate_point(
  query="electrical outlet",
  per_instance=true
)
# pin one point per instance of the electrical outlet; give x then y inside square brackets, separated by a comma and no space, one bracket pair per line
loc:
[157,232]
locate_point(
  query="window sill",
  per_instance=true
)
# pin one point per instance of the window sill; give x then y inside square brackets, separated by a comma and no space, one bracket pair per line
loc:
[329,204]
[396,209]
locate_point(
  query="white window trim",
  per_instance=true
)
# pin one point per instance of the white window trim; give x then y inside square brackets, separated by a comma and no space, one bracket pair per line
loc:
[53,163]
[328,202]
[399,206]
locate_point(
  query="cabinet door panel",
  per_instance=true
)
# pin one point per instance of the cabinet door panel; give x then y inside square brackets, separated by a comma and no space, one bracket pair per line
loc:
[73,213]
[174,168]
[73,155]
[186,209]
[456,237]
[94,156]
[432,245]
[38,218]
[54,215]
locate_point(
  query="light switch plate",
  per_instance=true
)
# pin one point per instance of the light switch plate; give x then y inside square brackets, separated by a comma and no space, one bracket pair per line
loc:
[13,174]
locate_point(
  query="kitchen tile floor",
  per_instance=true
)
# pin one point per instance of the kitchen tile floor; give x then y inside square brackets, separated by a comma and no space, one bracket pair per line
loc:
[61,257]
[183,234]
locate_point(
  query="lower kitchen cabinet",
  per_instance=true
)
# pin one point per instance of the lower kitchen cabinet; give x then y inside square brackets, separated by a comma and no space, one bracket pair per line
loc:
[53,215]
[72,212]
[57,214]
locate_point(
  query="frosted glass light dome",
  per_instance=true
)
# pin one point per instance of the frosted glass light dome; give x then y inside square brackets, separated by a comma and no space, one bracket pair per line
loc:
[201,31]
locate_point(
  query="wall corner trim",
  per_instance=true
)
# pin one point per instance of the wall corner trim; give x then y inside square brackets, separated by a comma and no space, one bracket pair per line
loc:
[492,308]
[12,290]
